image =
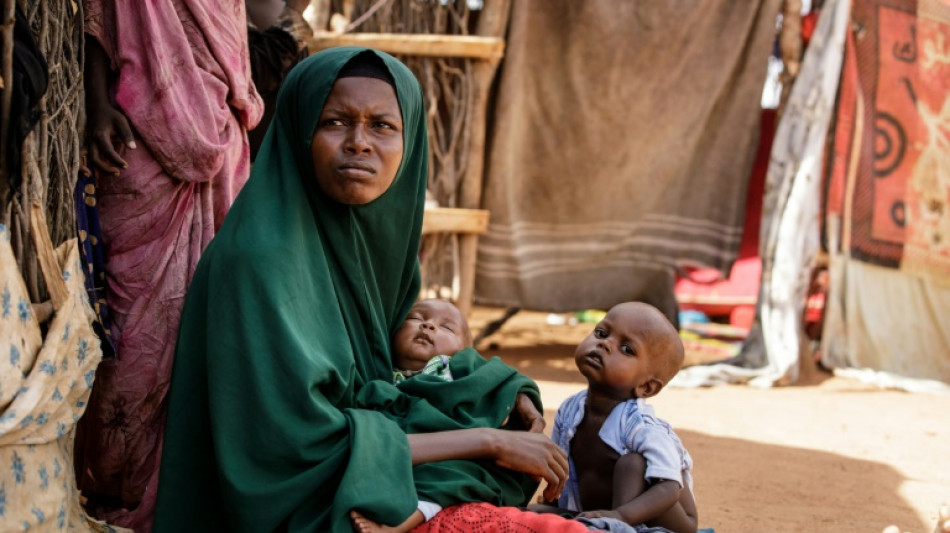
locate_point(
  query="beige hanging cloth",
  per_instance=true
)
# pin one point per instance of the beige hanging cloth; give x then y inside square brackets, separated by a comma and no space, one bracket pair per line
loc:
[44,386]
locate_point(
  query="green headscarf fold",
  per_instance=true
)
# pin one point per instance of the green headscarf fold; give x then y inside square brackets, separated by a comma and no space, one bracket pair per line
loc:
[288,317]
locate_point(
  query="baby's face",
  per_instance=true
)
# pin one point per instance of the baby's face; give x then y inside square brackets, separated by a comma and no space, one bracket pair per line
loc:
[619,357]
[433,327]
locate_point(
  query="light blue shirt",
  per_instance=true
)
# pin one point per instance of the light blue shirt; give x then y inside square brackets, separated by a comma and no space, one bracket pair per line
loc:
[630,427]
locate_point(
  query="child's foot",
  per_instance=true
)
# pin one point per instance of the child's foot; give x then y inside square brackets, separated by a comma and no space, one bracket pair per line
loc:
[361,524]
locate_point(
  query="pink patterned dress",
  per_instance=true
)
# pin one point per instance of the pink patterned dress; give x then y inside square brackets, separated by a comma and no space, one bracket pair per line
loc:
[183,81]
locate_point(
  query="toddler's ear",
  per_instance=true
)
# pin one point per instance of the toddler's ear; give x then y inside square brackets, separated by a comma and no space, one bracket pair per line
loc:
[650,388]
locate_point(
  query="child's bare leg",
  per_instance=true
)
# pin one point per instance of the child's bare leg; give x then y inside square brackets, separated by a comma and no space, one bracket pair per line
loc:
[630,482]
[361,524]
[629,478]
[682,517]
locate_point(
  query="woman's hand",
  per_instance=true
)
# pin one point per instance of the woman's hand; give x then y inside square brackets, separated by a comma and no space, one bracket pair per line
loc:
[108,131]
[533,454]
[528,414]
[109,134]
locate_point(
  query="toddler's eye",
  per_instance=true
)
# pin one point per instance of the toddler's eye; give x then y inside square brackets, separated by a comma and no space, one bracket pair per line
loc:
[627,349]
[600,333]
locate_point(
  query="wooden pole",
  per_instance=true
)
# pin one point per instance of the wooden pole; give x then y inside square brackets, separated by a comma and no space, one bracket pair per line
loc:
[492,22]
[790,45]
[420,45]
[321,12]
[6,34]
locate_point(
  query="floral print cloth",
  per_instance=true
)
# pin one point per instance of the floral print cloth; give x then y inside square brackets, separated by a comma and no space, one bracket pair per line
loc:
[44,386]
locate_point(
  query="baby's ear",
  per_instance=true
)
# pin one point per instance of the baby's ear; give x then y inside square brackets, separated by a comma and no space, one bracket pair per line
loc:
[650,388]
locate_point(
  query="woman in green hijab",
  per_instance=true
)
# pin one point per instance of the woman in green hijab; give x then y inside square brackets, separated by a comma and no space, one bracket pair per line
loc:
[277,420]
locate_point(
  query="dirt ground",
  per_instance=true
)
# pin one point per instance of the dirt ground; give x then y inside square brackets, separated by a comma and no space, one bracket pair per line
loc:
[829,454]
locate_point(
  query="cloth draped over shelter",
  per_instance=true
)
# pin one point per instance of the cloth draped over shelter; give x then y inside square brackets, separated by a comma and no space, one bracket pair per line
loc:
[789,233]
[888,198]
[622,138]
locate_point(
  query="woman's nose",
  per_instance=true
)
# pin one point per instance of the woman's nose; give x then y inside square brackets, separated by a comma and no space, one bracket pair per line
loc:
[357,140]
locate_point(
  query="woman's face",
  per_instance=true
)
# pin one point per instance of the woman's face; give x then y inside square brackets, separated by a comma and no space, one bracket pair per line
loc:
[357,146]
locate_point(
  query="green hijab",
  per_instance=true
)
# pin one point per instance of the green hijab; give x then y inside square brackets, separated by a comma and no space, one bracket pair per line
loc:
[271,426]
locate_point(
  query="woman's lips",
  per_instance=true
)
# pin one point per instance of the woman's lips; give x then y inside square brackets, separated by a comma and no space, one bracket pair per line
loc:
[357,170]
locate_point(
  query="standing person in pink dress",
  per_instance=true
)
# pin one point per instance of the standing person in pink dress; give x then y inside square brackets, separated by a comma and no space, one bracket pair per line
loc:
[169,100]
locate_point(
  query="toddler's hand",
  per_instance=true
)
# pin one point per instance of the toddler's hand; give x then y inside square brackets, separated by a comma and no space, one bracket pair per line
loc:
[600,514]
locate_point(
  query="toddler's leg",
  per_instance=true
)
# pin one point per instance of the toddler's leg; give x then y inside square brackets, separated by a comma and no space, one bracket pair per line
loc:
[682,517]
[629,481]
[361,524]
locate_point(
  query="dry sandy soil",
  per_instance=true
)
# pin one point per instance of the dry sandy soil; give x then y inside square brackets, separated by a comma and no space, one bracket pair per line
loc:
[829,454]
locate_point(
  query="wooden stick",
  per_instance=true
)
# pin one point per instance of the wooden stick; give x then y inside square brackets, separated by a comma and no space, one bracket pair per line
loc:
[492,25]
[321,12]
[6,34]
[46,255]
[790,45]
[454,220]
[416,44]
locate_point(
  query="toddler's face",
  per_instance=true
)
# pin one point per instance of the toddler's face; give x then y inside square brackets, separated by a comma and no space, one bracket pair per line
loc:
[618,357]
[433,327]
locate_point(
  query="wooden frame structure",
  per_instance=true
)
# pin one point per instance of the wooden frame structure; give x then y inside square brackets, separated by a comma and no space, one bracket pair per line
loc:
[487,48]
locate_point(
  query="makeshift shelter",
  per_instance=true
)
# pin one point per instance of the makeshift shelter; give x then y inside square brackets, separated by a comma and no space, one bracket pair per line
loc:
[857,171]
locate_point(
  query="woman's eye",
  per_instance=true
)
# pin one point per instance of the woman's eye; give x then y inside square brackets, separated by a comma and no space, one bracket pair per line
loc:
[331,122]
[384,126]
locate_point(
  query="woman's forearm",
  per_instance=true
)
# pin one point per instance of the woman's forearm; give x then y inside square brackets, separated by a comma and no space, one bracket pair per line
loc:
[522,451]
[96,75]
[457,444]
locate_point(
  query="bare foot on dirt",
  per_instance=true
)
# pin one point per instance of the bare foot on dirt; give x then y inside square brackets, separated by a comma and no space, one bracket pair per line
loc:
[361,524]
[943,523]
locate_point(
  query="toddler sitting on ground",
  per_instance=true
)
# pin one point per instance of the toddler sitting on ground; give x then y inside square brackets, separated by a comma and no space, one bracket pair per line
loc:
[610,433]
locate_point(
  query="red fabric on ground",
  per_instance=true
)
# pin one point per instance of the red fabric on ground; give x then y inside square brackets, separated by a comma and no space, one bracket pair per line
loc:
[485,518]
